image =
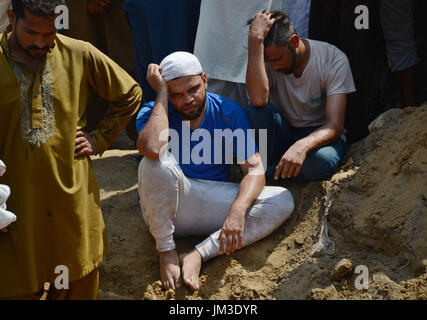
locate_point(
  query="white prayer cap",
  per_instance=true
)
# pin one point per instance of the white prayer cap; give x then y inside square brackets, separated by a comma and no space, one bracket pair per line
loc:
[180,64]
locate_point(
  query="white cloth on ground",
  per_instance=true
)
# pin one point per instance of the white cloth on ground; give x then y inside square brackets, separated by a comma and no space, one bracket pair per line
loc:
[6,217]
[172,204]
[2,168]
[4,194]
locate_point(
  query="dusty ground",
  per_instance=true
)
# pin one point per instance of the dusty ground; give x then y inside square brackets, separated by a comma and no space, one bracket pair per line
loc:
[377,219]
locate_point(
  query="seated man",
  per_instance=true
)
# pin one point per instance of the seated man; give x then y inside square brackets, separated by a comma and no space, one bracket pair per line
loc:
[181,195]
[308,82]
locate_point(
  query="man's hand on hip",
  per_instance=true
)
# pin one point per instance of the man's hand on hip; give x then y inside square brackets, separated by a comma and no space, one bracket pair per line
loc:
[84,145]
[291,162]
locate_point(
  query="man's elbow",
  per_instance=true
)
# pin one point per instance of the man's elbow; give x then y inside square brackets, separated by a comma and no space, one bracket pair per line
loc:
[149,154]
[339,127]
[259,100]
[149,151]
[258,96]
[338,130]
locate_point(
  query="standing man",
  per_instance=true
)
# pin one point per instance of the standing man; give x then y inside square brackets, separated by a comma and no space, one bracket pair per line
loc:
[185,192]
[44,87]
[307,83]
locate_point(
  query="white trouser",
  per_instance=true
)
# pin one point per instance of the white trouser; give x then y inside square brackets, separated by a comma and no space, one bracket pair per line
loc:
[172,204]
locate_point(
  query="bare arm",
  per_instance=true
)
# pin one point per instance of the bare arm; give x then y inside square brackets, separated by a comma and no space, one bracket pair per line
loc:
[149,142]
[292,161]
[256,76]
[250,188]
[334,127]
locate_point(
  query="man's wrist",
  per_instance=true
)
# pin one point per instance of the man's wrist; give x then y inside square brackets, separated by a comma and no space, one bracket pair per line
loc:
[92,144]
[256,39]
[305,144]
[163,90]
[239,208]
[97,141]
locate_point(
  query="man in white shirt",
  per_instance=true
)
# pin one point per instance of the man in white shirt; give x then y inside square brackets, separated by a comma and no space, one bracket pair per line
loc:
[298,91]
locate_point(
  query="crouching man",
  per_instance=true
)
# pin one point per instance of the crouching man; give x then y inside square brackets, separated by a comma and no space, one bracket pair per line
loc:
[183,183]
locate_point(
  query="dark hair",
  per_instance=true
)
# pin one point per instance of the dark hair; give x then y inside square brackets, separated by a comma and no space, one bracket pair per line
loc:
[44,8]
[281,31]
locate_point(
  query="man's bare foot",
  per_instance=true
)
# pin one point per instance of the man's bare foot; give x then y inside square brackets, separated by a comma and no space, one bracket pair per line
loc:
[170,271]
[191,264]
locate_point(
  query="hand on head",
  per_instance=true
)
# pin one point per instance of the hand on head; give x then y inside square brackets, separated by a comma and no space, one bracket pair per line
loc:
[154,77]
[261,25]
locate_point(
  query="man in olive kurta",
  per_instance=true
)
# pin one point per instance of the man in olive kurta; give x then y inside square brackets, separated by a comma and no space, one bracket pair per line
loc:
[44,84]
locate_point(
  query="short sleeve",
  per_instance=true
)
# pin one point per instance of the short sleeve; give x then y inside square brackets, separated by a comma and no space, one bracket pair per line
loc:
[143,116]
[243,126]
[339,77]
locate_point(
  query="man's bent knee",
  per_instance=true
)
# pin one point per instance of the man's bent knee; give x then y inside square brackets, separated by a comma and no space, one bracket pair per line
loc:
[281,204]
[285,204]
[320,165]
[261,117]
[155,170]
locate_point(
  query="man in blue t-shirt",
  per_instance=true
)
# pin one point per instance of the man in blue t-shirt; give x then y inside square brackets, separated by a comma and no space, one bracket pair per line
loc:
[188,138]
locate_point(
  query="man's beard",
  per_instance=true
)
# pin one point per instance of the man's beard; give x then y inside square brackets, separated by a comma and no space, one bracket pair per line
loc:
[29,48]
[195,114]
[295,59]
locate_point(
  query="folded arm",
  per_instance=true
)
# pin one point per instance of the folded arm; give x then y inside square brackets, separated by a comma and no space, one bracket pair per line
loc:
[116,86]
[256,75]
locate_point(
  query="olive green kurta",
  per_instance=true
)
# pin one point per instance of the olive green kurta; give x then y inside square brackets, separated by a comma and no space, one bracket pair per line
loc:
[54,195]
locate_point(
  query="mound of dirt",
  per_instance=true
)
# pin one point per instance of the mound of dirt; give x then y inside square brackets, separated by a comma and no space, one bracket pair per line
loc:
[379,207]
[383,204]
[377,219]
